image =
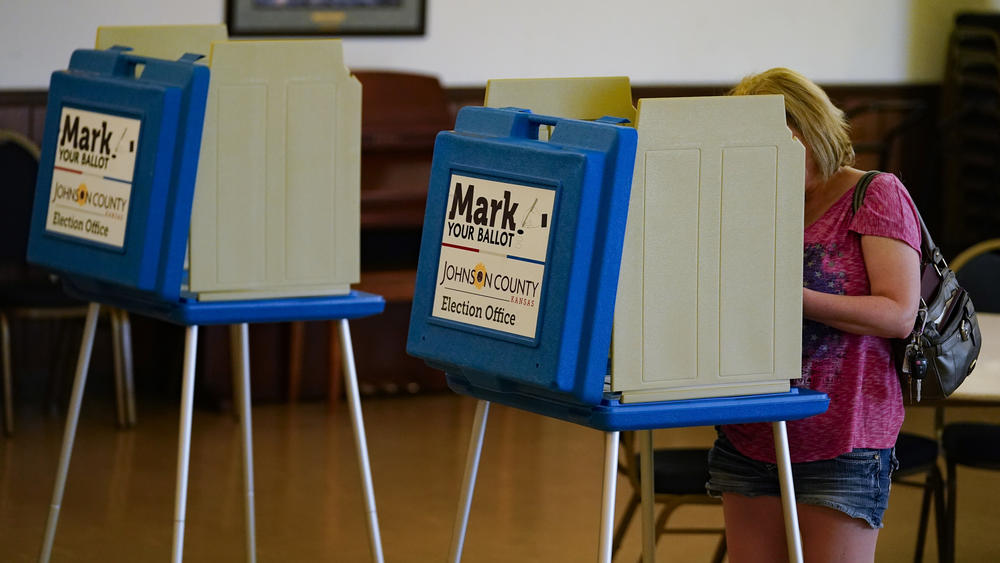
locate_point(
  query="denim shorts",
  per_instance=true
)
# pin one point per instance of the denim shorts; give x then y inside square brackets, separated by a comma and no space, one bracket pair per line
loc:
[856,483]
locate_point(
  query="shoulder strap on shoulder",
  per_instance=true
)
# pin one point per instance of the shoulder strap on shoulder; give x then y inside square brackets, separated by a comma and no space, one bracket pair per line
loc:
[861,187]
[930,251]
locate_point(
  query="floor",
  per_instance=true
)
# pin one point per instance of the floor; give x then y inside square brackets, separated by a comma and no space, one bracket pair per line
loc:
[538,496]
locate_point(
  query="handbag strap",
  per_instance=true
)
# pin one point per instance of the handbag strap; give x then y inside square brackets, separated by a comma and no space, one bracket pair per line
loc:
[930,252]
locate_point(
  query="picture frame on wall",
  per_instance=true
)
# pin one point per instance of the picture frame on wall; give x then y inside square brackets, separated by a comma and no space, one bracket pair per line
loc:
[325,17]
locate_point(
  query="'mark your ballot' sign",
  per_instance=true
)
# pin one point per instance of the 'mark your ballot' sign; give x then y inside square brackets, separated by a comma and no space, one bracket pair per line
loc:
[520,251]
[493,250]
[117,169]
[92,176]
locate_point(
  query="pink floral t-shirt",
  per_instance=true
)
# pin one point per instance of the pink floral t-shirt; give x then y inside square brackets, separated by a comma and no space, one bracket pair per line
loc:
[866,405]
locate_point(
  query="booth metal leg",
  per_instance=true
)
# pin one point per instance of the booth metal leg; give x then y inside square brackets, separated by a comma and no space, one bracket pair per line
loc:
[469,480]
[119,366]
[647,494]
[69,434]
[184,441]
[792,536]
[354,401]
[126,343]
[240,336]
[608,499]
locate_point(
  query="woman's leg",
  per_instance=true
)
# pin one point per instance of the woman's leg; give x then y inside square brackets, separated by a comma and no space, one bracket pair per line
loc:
[755,532]
[830,536]
[755,528]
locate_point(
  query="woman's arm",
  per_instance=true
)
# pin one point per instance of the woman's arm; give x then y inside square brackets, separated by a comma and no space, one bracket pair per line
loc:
[893,273]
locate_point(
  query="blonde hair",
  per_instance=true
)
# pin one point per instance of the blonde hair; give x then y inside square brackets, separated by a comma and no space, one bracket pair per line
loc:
[807,107]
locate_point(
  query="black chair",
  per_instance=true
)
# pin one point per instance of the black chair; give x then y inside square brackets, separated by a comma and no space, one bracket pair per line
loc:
[679,476]
[29,293]
[972,444]
[918,456]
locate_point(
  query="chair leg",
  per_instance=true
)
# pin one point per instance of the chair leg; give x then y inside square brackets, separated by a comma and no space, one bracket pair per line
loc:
[720,549]
[336,374]
[951,501]
[241,335]
[645,438]
[469,480]
[8,396]
[296,347]
[660,528]
[633,504]
[918,553]
[235,371]
[939,513]
[129,372]
[354,401]
[184,441]
[119,365]
[792,536]
[69,434]
[611,440]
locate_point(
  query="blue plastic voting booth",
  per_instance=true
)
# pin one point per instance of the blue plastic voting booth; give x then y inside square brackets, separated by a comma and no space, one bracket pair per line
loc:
[537,337]
[112,214]
[117,170]
[520,251]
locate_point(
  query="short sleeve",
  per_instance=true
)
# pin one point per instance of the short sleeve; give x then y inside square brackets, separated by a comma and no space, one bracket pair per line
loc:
[888,212]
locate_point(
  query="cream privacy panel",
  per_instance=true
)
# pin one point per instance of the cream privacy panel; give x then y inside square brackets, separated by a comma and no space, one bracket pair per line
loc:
[747,258]
[671,263]
[162,41]
[709,300]
[277,207]
[575,98]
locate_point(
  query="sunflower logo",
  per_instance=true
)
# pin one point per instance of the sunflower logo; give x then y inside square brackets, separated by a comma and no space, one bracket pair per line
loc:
[81,194]
[479,273]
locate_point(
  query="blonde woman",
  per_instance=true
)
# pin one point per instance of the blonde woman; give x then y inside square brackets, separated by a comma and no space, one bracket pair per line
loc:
[860,289]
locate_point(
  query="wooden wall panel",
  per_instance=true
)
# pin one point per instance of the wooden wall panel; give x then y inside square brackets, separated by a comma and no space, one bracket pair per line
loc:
[383,366]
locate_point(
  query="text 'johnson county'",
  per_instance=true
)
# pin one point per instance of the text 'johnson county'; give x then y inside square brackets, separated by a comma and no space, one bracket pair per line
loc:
[503,283]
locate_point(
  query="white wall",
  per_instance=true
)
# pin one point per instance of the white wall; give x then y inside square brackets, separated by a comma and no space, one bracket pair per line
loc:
[651,41]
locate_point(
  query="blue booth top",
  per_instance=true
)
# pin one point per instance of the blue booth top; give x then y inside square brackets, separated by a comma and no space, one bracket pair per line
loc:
[117,171]
[521,248]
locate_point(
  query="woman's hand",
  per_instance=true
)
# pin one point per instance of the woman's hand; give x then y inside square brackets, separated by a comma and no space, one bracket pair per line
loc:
[891,309]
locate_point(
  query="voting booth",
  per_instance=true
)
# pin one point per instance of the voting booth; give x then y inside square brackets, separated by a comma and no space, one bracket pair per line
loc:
[223,193]
[711,251]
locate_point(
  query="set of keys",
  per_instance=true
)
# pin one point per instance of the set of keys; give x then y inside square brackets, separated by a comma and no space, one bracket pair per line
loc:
[914,360]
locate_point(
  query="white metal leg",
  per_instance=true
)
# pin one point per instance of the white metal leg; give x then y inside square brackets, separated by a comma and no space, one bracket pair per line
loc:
[126,343]
[647,495]
[69,434]
[608,501]
[792,536]
[184,441]
[8,398]
[354,400]
[469,480]
[241,343]
[116,345]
